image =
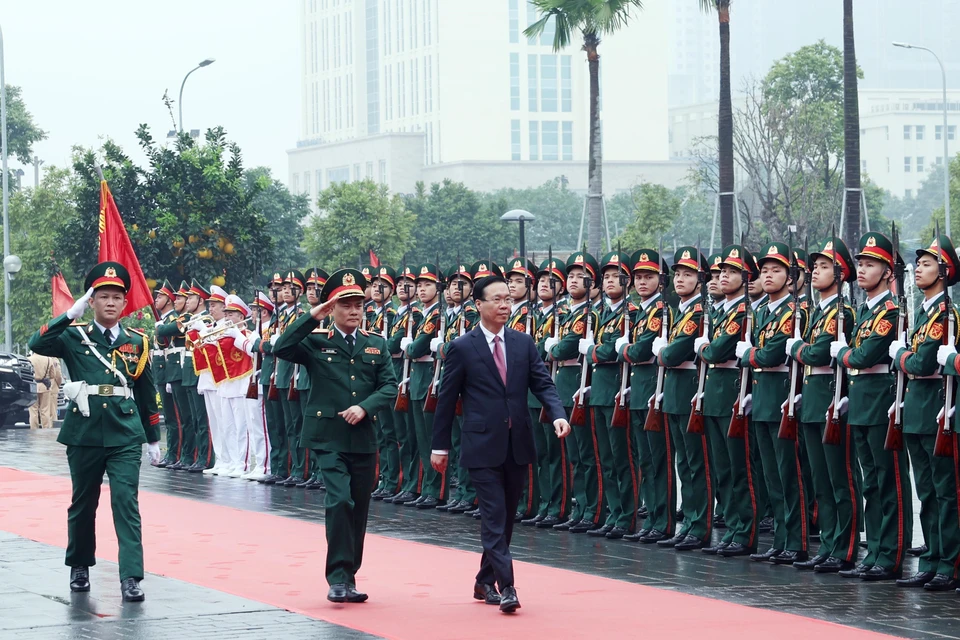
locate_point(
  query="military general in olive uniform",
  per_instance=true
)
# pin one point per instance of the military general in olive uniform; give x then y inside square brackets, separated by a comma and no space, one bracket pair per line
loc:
[113,410]
[355,381]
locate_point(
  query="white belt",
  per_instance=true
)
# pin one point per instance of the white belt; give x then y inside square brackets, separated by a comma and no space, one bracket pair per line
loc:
[158,353]
[877,368]
[188,354]
[932,377]
[820,371]
[781,369]
[572,362]
[729,364]
[108,390]
[175,350]
[685,365]
[424,359]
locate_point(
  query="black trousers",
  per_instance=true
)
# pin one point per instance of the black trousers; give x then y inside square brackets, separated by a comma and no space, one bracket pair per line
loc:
[498,492]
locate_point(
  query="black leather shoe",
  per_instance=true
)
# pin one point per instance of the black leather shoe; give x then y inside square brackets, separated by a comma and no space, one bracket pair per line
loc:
[379,494]
[766,525]
[196,467]
[617,533]
[289,482]
[918,579]
[582,527]
[476,514]
[599,532]
[548,522]
[520,516]
[858,571]
[941,582]
[270,479]
[715,548]
[789,557]
[337,593]
[812,563]
[833,565]
[166,462]
[508,600]
[445,506]
[303,484]
[689,543]
[635,537]
[918,550]
[877,573]
[766,555]
[79,579]
[679,515]
[177,466]
[671,542]
[566,524]
[472,512]
[486,592]
[414,503]
[719,522]
[404,497]
[463,507]
[531,522]
[429,503]
[643,512]
[735,549]
[315,484]
[355,596]
[654,535]
[131,591]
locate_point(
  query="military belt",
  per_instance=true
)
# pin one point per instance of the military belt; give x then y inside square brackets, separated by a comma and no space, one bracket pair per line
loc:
[158,353]
[729,364]
[175,350]
[781,369]
[935,376]
[424,359]
[108,390]
[685,365]
[572,362]
[820,371]
[875,369]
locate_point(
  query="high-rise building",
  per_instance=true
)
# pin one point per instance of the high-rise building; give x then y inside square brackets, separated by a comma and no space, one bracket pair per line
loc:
[407,90]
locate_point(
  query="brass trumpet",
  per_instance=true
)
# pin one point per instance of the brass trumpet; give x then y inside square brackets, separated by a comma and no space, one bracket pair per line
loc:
[215,333]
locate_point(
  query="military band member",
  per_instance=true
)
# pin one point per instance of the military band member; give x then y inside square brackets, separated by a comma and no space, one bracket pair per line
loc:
[175,333]
[888,507]
[205,384]
[935,477]
[200,428]
[734,469]
[112,412]
[384,317]
[357,383]
[163,301]
[834,476]
[286,374]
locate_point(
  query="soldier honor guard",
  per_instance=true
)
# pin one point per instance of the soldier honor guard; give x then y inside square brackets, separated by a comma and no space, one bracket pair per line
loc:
[356,381]
[112,412]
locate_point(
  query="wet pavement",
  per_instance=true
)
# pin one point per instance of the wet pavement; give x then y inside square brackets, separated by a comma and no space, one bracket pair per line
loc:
[881,607]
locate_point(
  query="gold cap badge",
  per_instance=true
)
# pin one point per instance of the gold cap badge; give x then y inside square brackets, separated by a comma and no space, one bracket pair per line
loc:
[348,279]
[734,253]
[872,241]
[685,255]
[772,251]
[110,272]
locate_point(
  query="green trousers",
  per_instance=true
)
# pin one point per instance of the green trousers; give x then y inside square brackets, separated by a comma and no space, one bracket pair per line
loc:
[620,471]
[693,468]
[465,491]
[389,459]
[763,500]
[409,451]
[837,485]
[736,482]
[529,504]
[122,466]
[658,479]
[781,465]
[311,462]
[350,478]
[171,423]
[587,471]
[542,479]
[279,449]
[203,443]
[434,484]
[185,412]
[555,481]
[887,475]
[578,494]
[293,426]
[938,495]
[641,453]
[809,492]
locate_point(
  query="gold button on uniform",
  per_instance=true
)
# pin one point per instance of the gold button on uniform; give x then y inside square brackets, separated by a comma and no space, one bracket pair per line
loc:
[354,393]
[104,405]
[353,377]
[319,413]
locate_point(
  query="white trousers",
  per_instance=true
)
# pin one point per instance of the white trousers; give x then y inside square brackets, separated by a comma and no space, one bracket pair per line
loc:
[257,440]
[234,431]
[212,402]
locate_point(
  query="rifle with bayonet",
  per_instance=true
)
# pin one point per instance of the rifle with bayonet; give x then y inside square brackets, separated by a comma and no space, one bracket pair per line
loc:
[621,408]
[578,415]
[253,388]
[402,403]
[738,420]
[655,418]
[832,432]
[944,445]
[789,423]
[894,438]
[430,404]
[554,365]
[695,423]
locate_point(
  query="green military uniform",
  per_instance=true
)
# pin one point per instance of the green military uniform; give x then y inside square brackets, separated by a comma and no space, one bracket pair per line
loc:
[313,478]
[286,375]
[273,413]
[579,321]
[174,332]
[652,448]
[935,477]
[618,465]
[735,472]
[201,444]
[888,508]
[119,400]
[351,370]
[834,477]
[680,385]
[388,460]
[159,365]
[773,324]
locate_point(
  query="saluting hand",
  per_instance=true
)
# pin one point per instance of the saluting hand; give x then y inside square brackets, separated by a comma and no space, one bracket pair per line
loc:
[353,415]
[80,305]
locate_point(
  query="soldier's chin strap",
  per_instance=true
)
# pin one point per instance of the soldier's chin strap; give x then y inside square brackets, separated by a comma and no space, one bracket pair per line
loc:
[85,339]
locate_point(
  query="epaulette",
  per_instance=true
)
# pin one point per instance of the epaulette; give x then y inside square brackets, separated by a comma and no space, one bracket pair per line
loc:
[77,323]
[632,307]
[659,304]
[943,306]
[139,332]
[741,307]
[363,332]
[697,307]
[792,306]
[891,305]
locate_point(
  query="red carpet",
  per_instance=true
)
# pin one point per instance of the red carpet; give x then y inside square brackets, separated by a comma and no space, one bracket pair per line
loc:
[417,591]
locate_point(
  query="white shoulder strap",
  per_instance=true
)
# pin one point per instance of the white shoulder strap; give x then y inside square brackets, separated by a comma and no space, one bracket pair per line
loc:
[93,347]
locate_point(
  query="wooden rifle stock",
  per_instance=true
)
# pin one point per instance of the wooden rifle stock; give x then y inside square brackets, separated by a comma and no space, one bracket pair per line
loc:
[738,423]
[402,403]
[272,392]
[654,421]
[293,395]
[578,416]
[946,442]
[621,410]
[738,420]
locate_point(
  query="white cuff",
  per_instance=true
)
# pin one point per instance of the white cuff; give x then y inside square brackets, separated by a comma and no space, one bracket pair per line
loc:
[440,452]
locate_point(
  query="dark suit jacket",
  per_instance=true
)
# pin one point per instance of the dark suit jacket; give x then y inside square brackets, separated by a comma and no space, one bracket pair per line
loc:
[489,407]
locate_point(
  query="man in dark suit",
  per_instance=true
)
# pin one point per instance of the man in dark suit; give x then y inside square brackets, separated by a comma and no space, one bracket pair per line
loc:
[492,368]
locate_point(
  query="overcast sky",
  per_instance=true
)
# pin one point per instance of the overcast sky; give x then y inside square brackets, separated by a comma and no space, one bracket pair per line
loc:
[91,70]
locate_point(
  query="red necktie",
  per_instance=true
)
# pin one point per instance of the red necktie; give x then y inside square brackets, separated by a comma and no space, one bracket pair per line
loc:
[498,359]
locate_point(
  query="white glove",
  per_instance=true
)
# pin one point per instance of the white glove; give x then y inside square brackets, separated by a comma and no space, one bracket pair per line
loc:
[747,404]
[196,325]
[158,323]
[273,338]
[153,453]
[404,382]
[842,406]
[693,400]
[837,344]
[796,402]
[80,305]
[790,343]
[621,341]
[586,394]
[892,406]
[953,410]
[234,333]
[658,344]
[944,352]
[550,343]
[584,345]
[169,388]
[405,342]
[435,344]
[895,347]
[742,347]
[699,343]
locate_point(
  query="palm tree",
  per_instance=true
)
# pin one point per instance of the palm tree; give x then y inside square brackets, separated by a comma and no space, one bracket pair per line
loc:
[592,18]
[851,130]
[724,123]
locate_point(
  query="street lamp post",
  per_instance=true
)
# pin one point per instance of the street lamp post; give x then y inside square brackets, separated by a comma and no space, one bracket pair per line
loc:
[521,216]
[946,156]
[204,63]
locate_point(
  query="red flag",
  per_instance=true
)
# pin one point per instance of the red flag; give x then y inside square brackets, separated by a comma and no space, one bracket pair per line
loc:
[115,246]
[62,298]
[374,261]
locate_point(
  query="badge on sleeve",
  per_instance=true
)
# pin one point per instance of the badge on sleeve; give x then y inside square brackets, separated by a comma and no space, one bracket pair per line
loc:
[690,328]
[936,331]
[883,327]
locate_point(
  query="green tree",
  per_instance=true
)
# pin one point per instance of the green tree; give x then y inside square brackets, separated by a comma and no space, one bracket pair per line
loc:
[655,210]
[22,132]
[354,219]
[938,213]
[556,209]
[284,213]
[593,19]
